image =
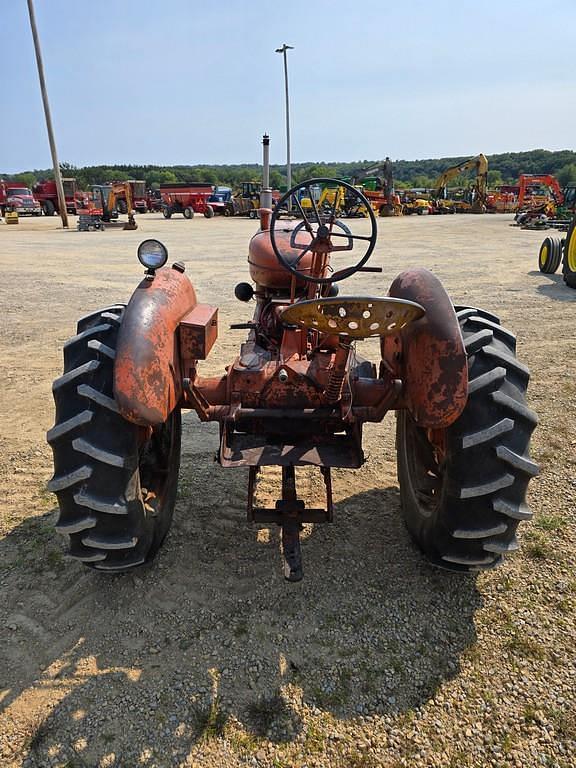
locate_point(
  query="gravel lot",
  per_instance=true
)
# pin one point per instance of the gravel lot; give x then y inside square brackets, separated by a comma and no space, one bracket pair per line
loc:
[208,657]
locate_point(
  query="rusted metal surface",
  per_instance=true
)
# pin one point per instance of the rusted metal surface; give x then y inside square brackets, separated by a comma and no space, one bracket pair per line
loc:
[353,317]
[198,332]
[340,368]
[429,352]
[147,375]
[246,449]
[265,269]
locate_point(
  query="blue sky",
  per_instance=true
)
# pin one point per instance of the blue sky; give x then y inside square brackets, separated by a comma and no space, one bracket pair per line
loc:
[176,82]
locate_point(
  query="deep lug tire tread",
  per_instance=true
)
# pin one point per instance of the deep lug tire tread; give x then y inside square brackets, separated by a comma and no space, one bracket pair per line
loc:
[96,474]
[487,466]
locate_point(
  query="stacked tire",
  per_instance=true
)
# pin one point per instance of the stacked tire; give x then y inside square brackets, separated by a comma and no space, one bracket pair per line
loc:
[550,255]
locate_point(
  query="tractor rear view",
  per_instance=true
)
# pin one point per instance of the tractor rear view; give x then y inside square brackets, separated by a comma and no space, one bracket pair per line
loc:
[296,394]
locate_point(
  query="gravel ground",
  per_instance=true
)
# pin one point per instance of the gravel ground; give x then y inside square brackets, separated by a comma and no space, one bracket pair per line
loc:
[208,657]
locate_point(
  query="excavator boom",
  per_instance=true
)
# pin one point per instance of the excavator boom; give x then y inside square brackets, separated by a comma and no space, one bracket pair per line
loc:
[480,165]
[119,188]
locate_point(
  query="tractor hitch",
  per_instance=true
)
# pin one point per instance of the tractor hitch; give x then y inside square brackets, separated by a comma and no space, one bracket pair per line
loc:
[290,513]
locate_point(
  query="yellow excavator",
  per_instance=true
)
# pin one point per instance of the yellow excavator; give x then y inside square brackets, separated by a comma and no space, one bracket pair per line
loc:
[104,198]
[478,202]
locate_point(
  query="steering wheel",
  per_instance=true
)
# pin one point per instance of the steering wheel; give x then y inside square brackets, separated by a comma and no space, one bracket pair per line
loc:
[316,230]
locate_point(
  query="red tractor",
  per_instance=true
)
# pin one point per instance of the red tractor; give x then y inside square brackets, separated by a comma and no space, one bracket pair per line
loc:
[296,394]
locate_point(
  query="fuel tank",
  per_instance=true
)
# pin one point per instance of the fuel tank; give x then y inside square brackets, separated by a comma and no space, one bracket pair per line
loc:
[265,269]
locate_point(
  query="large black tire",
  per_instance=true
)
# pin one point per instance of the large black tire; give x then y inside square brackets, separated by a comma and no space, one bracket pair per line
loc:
[550,255]
[209,212]
[49,208]
[167,213]
[188,212]
[121,206]
[463,511]
[228,211]
[569,261]
[116,484]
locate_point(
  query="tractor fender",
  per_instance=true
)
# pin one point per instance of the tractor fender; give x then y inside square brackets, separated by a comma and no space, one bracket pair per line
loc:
[147,375]
[433,360]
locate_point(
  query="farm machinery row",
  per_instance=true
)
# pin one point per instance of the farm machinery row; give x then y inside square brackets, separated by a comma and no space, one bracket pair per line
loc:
[297,393]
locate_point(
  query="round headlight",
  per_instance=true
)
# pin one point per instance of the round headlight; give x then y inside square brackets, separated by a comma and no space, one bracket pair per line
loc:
[152,254]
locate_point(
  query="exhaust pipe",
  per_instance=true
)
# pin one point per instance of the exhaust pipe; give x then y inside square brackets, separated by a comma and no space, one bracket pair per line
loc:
[266,194]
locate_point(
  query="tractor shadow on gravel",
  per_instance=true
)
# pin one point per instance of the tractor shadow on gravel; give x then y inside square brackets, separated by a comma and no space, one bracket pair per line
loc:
[555,288]
[211,641]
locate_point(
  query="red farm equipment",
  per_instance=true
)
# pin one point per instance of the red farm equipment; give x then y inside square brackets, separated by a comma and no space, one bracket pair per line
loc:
[297,393]
[46,194]
[16,198]
[139,199]
[187,198]
[154,200]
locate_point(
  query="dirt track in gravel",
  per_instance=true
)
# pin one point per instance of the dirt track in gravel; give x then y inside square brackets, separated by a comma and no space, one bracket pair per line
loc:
[375,659]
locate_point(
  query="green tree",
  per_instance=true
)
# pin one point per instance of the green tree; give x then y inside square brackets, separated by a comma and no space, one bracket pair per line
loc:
[495,179]
[26,179]
[567,174]
[276,179]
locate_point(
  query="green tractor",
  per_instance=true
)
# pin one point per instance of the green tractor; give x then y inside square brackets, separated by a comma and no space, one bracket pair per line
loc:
[557,250]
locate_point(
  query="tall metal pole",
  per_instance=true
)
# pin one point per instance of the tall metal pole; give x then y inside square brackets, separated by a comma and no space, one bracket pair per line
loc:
[283,50]
[266,194]
[57,174]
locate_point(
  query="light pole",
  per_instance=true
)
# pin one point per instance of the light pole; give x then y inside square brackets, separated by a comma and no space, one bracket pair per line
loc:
[57,174]
[288,166]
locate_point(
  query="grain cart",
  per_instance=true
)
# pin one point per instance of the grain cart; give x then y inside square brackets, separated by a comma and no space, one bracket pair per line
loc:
[186,198]
[296,394]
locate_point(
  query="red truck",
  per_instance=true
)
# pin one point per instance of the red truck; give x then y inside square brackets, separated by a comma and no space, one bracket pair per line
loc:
[187,198]
[45,192]
[14,196]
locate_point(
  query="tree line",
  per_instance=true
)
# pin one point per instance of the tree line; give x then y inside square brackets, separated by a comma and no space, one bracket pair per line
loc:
[503,169]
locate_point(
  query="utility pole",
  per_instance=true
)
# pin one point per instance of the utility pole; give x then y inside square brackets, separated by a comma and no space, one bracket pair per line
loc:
[55,163]
[288,166]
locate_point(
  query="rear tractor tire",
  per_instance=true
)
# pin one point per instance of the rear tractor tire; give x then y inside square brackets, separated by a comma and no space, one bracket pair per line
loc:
[569,261]
[462,502]
[550,255]
[116,482]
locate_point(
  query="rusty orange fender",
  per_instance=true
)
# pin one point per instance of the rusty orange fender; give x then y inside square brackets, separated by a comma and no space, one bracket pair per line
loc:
[433,359]
[147,376]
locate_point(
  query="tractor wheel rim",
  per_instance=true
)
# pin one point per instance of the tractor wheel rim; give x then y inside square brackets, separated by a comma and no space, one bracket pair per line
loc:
[572,252]
[543,254]
[425,474]
[156,455]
